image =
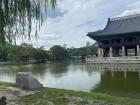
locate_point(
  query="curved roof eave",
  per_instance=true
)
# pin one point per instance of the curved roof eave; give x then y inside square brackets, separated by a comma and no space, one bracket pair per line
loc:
[116,26]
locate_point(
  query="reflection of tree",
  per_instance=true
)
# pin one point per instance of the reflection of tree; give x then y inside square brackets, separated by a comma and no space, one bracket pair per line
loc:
[119,83]
[38,69]
[8,70]
[58,69]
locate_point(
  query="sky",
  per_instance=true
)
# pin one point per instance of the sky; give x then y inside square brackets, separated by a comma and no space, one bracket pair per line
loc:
[73,19]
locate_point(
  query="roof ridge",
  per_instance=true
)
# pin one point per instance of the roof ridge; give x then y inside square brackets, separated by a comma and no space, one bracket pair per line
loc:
[124,17]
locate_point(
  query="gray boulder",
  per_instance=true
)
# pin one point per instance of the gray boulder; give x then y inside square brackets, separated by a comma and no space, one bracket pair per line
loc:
[25,80]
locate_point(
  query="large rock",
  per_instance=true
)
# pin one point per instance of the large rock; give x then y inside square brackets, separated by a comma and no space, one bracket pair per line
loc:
[25,80]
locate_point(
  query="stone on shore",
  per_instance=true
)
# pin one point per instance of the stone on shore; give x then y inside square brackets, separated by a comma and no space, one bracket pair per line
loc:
[25,80]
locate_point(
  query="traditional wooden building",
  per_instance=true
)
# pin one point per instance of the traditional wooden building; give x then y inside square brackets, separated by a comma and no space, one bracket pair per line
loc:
[120,37]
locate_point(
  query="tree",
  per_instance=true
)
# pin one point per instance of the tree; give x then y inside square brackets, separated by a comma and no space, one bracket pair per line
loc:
[17,17]
[58,52]
[3,52]
[19,54]
[12,55]
[40,55]
[26,53]
[83,51]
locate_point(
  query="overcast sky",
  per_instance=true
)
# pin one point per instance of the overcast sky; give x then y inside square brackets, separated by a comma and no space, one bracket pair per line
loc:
[73,19]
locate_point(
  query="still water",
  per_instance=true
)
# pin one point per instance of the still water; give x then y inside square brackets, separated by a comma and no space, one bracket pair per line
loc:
[118,80]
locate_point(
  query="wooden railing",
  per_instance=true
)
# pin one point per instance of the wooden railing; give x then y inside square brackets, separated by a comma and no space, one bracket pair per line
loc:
[118,45]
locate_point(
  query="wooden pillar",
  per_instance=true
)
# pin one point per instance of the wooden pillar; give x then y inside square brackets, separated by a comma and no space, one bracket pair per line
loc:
[138,50]
[99,52]
[123,51]
[110,52]
[102,52]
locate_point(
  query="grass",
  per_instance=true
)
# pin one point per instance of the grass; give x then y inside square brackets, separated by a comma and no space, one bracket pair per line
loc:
[6,84]
[52,96]
[58,97]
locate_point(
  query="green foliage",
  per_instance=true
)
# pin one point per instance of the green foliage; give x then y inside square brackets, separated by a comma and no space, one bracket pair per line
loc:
[7,84]
[3,53]
[40,55]
[58,53]
[20,54]
[12,54]
[17,17]
[26,53]
[83,51]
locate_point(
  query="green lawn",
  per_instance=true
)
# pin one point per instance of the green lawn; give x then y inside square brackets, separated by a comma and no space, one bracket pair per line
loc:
[52,96]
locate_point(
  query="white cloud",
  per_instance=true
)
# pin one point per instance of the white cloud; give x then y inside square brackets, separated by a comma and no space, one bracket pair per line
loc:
[130,12]
[133,9]
[78,17]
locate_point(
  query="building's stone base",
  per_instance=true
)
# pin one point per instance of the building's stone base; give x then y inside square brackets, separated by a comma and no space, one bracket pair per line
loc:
[116,60]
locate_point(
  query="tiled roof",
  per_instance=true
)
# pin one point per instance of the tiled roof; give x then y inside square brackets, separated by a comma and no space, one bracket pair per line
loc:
[120,25]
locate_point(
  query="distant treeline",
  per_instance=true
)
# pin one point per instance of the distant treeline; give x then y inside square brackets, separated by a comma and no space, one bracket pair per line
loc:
[26,53]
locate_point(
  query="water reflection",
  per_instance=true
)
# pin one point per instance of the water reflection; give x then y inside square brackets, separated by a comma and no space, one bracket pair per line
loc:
[120,80]
[58,69]
[120,83]
[70,76]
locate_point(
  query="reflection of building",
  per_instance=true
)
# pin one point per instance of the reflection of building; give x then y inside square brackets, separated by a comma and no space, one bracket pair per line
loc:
[120,37]
[120,83]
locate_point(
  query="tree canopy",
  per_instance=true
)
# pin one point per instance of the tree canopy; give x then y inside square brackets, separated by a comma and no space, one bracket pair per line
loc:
[24,53]
[83,51]
[58,52]
[18,16]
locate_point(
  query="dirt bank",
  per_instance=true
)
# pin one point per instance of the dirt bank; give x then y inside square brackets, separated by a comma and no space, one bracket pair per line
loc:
[12,93]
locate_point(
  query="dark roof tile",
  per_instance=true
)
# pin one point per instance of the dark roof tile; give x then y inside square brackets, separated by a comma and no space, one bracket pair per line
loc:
[120,25]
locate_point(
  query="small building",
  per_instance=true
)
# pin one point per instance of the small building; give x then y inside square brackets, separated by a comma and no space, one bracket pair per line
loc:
[120,37]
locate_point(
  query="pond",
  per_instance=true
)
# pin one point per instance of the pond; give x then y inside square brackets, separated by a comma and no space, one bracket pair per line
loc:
[117,80]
